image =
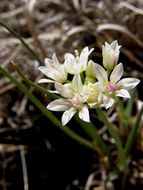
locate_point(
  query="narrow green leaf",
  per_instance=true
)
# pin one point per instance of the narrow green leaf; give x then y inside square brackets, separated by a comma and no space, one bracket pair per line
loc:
[121,112]
[130,103]
[133,133]
[131,139]
[100,145]
[92,132]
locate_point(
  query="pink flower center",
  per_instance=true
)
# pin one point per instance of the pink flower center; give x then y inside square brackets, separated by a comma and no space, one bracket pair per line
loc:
[75,101]
[111,87]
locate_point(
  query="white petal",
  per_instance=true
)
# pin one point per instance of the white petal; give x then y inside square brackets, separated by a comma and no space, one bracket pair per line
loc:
[70,64]
[128,83]
[48,62]
[84,114]
[84,57]
[69,58]
[123,93]
[55,60]
[90,69]
[67,115]
[44,70]
[107,101]
[114,45]
[57,75]
[55,72]
[116,73]
[51,73]
[91,50]
[59,105]
[46,81]
[101,74]
[64,90]
[53,91]
[77,83]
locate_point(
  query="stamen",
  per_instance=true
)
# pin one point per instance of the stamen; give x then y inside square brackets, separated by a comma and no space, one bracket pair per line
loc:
[75,101]
[111,87]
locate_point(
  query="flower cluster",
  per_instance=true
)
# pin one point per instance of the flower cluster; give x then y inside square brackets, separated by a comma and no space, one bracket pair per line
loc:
[91,85]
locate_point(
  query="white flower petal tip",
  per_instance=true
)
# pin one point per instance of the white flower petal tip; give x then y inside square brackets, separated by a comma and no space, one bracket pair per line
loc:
[67,115]
[45,81]
[108,102]
[123,93]
[100,73]
[128,83]
[44,70]
[116,73]
[84,114]
[134,82]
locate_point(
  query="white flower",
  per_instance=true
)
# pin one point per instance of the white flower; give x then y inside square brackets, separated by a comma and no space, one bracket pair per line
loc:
[75,65]
[113,85]
[53,70]
[110,53]
[72,100]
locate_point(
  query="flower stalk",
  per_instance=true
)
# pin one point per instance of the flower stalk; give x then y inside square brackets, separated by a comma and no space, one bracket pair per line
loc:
[112,131]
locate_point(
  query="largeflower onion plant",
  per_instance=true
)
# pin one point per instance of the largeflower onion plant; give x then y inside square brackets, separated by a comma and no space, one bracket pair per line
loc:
[80,84]
[91,84]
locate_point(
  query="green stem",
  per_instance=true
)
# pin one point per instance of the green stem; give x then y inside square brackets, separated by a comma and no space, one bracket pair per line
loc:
[92,132]
[111,130]
[34,85]
[133,133]
[46,112]
[130,103]
[131,138]
[121,112]
[22,41]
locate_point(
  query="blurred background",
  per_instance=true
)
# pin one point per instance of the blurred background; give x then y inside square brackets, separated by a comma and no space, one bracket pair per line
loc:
[34,154]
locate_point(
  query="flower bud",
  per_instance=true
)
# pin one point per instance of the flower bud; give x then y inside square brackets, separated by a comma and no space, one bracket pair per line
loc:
[90,70]
[110,53]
